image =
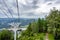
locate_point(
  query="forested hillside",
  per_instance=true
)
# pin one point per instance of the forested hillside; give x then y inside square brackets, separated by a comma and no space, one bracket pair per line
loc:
[38,30]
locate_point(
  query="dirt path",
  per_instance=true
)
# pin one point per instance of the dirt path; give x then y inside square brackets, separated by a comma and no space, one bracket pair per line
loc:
[46,36]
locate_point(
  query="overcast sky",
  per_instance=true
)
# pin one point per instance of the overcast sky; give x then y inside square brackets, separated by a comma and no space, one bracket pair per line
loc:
[27,8]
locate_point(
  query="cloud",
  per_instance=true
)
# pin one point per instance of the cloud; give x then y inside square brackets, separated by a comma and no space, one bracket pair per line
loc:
[28,8]
[57,2]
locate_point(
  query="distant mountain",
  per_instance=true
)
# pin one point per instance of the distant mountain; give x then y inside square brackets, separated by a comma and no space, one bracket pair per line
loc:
[4,22]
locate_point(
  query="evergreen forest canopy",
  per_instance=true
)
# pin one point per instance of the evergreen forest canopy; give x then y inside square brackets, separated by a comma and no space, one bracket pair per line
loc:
[49,25]
[42,29]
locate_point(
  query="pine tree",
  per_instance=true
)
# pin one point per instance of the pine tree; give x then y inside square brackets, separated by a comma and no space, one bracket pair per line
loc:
[39,24]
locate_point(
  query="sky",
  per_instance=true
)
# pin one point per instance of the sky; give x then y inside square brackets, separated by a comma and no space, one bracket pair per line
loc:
[27,8]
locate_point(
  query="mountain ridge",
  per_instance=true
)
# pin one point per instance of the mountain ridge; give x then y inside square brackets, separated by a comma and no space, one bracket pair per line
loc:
[4,22]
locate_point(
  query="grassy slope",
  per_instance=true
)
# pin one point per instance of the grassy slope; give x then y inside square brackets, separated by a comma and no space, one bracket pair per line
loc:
[35,36]
[51,37]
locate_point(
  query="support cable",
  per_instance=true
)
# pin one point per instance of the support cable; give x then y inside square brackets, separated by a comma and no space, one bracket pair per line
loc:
[17,9]
[7,8]
[4,13]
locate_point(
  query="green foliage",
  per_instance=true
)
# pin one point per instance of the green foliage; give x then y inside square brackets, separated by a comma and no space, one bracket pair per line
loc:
[40,25]
[50,36]
[34,31]
[6,35]
[37,27]
[34,27]
[51,25]
[29,29]
[53,20]
[36,36]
